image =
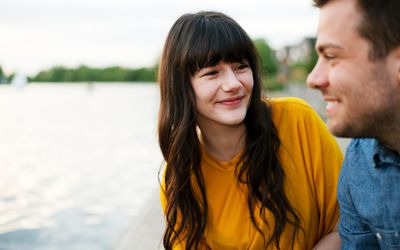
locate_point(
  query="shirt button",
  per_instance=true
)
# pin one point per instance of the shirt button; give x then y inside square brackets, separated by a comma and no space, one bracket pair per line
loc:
[378,235]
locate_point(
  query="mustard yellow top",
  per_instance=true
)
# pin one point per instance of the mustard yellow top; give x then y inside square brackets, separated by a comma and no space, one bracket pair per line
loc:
[311,160]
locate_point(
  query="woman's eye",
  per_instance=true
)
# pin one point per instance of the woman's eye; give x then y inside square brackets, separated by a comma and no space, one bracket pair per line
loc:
[210,73]
[243,66]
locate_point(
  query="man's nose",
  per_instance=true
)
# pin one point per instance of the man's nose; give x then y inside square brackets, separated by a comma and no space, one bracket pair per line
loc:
[318,77]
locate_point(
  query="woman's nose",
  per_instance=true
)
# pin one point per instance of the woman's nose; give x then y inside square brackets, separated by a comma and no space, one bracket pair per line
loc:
[231,81]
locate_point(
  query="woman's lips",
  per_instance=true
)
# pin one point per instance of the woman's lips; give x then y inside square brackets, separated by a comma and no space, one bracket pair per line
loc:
[231,101]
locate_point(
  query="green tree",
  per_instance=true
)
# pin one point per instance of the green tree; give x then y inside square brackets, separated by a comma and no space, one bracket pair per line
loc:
[312,60]
[269,62]
[269,65]
[1,72]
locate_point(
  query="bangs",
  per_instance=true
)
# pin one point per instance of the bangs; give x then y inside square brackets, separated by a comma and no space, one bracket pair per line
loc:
[215,41]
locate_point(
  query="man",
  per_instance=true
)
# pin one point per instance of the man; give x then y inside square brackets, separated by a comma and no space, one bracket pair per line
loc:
[358,74]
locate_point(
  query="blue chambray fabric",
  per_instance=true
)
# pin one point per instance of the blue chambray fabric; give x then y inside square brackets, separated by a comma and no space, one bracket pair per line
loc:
[369,197]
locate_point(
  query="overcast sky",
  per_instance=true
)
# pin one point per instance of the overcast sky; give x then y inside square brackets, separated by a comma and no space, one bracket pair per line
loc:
[38,34]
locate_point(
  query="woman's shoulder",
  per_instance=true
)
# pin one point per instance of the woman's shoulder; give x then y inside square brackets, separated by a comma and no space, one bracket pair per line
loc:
[292,106]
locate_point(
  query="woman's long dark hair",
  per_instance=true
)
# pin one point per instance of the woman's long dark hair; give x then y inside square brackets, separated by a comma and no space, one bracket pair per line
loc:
[196,41]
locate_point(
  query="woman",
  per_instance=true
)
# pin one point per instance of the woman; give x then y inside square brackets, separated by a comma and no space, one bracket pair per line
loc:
[243,172]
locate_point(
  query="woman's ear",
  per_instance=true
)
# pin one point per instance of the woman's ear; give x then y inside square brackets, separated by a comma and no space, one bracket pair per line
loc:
[396,53]
[398,59]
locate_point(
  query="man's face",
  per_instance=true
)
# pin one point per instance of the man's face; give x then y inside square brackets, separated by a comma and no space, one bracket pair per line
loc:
[361,94]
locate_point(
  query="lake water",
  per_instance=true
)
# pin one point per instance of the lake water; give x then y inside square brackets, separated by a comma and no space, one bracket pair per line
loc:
[77,163]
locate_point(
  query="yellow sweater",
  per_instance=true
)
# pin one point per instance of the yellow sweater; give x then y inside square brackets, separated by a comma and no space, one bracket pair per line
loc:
[311,160]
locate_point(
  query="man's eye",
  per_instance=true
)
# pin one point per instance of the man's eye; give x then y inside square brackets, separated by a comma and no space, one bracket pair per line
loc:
[329,56]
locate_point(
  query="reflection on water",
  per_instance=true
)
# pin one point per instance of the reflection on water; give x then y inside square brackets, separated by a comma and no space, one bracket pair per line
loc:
[76,163]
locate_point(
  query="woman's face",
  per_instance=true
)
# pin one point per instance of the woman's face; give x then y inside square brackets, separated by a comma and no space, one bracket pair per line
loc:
[223,94]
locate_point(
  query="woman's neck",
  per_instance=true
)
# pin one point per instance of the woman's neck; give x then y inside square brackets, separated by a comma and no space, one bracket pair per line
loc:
[223,142]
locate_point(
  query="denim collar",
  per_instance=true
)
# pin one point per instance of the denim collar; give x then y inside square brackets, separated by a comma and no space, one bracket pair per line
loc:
[383,156]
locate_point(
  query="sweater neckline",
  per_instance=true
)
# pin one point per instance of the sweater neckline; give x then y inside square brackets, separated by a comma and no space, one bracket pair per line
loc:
[227,166]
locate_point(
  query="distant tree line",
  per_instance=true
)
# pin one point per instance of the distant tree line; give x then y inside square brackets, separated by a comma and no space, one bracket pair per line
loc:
[120,74]
[270,67]
[88,74]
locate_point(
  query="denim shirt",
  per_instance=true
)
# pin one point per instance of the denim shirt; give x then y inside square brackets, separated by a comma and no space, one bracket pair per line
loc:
[369,197]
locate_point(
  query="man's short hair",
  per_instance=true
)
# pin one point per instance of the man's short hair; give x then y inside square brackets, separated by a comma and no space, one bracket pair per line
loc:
[379,24]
